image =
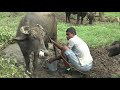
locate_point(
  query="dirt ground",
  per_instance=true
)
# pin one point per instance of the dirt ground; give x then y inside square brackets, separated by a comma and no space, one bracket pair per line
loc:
[103,66]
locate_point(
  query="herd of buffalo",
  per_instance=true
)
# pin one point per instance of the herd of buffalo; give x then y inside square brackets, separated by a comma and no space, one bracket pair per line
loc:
[81,15]
[36,28]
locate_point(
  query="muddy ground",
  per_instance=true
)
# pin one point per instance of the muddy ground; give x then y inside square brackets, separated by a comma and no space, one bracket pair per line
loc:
[103,66]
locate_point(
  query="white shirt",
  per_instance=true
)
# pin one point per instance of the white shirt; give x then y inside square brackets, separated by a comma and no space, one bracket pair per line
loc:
[80,48]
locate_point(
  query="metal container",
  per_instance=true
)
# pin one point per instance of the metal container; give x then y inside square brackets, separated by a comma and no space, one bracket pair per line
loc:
[52,66]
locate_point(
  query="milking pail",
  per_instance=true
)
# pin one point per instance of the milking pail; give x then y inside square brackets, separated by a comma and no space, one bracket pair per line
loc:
[52,66]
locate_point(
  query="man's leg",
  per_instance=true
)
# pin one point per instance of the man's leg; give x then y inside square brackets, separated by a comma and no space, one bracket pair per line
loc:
[54,59]
[62,56]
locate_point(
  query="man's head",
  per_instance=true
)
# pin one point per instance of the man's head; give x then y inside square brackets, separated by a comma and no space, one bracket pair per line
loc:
[70,33]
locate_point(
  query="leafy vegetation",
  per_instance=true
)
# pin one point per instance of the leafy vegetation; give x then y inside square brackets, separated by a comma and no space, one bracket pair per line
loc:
[9,69]
[8,26]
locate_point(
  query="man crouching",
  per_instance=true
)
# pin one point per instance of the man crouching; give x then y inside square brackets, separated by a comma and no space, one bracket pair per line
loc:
[76,52]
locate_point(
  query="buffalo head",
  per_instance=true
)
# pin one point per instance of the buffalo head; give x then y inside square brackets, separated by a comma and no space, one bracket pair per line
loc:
[34,36]
[114,49]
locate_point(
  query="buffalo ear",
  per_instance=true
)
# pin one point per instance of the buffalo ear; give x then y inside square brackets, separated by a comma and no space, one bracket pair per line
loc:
[25,29]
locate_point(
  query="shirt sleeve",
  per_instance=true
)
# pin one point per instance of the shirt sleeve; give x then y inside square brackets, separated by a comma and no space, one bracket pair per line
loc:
[70,44]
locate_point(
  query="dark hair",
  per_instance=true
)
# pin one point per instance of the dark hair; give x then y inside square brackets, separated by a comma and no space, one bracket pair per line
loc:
[71,30]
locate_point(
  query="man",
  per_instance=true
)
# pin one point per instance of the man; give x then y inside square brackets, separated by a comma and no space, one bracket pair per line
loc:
[76,52]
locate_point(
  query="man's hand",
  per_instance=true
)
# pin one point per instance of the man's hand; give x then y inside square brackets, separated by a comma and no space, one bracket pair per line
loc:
[50,40]
[55,43]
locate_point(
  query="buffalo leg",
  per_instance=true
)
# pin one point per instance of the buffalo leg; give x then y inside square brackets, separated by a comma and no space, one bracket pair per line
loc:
[78,18]
[46,45]
[27,61]
[55,50]
[90,21]
[68,17]
[81,20]
[35,61]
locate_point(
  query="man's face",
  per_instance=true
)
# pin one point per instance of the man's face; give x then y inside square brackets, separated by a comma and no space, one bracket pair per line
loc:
[69,35]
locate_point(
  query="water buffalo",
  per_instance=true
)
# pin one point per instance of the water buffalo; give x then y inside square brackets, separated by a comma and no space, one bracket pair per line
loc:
[79,14]
[33,35]
[114,49]
[91,17]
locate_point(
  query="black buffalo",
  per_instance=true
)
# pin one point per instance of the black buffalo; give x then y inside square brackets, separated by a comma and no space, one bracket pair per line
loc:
[33,35]
[114,49]
[90,16]
[79,14]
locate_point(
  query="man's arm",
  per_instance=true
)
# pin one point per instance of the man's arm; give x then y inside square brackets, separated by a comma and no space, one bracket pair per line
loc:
[70,44]
[56,44]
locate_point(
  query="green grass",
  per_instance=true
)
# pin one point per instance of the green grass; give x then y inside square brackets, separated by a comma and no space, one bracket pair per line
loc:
[112,14]
[8,26]
[95,36]
[8,69]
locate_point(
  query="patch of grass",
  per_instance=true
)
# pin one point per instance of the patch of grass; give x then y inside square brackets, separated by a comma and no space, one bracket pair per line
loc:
[115,75]
[112,14]
[8,26]
[97,35]
[8,69]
